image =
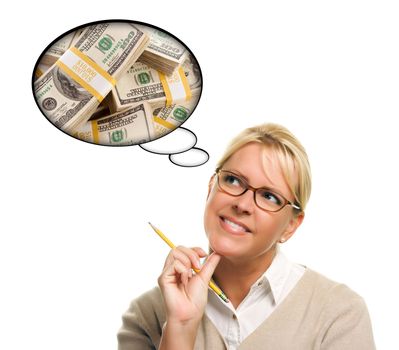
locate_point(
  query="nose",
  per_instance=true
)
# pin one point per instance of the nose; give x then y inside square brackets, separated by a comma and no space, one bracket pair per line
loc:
[245,203]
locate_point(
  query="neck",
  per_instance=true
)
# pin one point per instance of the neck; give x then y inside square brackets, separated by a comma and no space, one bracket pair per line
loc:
[236,276]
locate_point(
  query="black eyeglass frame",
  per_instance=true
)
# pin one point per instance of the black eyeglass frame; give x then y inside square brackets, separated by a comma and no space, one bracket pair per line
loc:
[254,190]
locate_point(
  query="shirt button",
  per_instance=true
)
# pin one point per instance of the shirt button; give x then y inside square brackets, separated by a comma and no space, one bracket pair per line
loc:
[234,317]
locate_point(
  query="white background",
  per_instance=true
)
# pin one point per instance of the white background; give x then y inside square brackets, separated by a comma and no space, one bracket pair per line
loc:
[75,244]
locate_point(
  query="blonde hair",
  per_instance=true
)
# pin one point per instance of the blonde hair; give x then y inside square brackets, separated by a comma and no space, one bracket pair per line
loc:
[290,153]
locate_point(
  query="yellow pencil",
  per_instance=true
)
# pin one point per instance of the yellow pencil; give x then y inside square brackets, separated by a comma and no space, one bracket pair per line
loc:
[214,287]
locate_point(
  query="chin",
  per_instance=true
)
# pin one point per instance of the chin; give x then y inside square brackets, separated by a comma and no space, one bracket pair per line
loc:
[225,247]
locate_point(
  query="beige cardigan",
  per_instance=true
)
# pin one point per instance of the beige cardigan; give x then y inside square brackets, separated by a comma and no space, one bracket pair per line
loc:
[317,314]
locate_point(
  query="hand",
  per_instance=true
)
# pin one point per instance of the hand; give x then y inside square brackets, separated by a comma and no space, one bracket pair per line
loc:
[185,294]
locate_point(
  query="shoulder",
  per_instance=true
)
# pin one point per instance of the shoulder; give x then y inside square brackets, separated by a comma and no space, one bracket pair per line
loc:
[149,306]
[143,321]
[343,318]
[330,291]
[320,295]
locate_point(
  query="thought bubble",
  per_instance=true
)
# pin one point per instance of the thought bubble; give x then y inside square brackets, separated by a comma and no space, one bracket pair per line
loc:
[193,157]
[179,141]
[179,145]
[118,83]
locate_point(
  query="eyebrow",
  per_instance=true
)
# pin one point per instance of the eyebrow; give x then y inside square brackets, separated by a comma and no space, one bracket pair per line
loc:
[237,173]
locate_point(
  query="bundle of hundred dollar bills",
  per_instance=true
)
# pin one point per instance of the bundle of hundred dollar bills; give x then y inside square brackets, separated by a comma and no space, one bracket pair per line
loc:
[163,52]
[89,84]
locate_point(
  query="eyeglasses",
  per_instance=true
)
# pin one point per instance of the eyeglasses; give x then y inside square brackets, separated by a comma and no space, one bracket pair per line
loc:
[264,198]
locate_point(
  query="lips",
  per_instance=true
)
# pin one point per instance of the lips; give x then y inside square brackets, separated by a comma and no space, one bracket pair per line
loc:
[233,226]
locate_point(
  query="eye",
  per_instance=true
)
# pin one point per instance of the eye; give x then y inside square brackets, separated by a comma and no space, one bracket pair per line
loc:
[270,197]
[232,180]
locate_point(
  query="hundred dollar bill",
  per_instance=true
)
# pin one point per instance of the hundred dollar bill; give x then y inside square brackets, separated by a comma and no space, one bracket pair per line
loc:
[70,91]
[130,127]
[142,83]
[164,53]
[166,119]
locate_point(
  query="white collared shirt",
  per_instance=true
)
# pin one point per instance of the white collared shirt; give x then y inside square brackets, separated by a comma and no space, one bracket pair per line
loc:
[263,297]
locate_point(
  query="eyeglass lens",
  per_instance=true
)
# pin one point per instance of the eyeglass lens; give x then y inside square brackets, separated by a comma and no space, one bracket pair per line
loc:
[236,186]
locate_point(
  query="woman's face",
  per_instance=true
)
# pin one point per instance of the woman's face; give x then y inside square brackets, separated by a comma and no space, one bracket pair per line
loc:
[236,227]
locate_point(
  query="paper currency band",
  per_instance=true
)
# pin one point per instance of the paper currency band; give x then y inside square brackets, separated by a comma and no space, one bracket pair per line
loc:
[175,89]
[94,129]
[86,72]
[164,123]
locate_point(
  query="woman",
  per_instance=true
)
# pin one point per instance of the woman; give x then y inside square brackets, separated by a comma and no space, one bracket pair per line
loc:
[256,201]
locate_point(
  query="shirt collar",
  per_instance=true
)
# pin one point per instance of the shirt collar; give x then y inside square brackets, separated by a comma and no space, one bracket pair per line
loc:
[273,279]
[275,276]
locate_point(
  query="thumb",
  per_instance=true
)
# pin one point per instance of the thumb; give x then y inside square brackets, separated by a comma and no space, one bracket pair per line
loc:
[209,267]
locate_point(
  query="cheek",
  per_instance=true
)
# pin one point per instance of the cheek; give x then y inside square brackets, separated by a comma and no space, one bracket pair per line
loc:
[269,227]
[208,212]
[215,202]
[276,226]
[212,201]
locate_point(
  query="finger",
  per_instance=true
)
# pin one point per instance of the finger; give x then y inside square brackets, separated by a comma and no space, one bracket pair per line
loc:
[174,254]
[191,254]
[180,268]
[180,253]
[183,271]
[174,273]
[201,253]
[209,267]
[169,259]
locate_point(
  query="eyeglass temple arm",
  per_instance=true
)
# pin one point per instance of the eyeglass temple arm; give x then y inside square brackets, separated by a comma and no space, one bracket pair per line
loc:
[295,206]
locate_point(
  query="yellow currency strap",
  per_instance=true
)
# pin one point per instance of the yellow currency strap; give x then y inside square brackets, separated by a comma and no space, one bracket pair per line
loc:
[185,83]
[166,89]
[94,129]
[176,87]
[164,122]
[94,65]
[86,85]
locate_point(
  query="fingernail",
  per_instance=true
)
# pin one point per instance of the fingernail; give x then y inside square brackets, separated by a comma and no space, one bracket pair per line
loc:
[198,264]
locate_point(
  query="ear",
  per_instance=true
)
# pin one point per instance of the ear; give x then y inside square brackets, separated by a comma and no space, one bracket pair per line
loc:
[294,223]
[210,184]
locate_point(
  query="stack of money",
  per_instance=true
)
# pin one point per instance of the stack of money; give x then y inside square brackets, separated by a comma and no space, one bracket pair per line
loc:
[71,90]
[142,83]
[60,47]
[163,53]
[130,127]
[167,119]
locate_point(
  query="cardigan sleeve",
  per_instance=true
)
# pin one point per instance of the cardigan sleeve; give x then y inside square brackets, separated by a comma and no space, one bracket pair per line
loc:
[133,334]
[347,323]
[142,324]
